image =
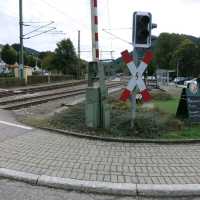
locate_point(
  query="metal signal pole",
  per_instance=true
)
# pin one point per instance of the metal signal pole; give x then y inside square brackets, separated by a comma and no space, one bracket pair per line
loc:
[79,56]
[79,44]
[21,59]
[94,28]
[97,109]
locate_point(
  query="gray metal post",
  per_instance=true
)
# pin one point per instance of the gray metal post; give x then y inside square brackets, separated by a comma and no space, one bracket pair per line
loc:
[133,109]
[21,60]
[177,68]
[79,44]
[138,54]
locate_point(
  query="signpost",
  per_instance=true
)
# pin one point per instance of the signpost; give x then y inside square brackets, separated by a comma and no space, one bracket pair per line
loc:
[137,73]
[189,104]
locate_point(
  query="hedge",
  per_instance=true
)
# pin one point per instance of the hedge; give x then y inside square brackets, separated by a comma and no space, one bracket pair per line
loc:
[45,79]
[37,79]
[11,82]
[15,82]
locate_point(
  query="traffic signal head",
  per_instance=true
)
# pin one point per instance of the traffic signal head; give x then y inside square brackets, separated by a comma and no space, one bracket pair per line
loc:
[142,29]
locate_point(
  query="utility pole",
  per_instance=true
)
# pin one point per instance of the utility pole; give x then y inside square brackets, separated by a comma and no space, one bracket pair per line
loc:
[79,56]
[79,50]
[21,59]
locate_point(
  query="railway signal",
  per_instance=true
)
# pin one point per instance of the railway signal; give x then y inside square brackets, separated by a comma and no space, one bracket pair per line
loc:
[142,25]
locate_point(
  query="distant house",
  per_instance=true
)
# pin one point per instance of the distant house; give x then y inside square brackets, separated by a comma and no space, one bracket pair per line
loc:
[27,71]
[12,68]
[3,67]
[37,69]
[164,76]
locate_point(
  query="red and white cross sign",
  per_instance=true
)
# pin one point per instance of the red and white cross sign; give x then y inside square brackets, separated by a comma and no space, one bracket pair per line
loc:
[136,73]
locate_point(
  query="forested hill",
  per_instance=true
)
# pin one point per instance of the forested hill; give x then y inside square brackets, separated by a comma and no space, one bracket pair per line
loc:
[26,49]
[172,50]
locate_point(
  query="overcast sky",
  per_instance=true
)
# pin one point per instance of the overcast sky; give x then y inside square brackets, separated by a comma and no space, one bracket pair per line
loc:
[115,16]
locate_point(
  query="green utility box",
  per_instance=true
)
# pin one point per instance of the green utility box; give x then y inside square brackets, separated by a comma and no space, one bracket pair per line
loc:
[97,109]
[105,114]
[92,107]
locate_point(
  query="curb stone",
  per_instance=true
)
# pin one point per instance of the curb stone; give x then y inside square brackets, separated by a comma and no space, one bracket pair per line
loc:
[125,140]
[171,190]
[147,190]
[88,186]
[19,176]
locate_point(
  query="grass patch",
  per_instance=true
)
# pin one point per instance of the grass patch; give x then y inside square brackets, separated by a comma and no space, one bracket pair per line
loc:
[36,122]
[168,106]
[188,133]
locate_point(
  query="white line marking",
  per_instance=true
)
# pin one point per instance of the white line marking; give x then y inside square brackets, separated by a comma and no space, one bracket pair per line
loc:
[16,125]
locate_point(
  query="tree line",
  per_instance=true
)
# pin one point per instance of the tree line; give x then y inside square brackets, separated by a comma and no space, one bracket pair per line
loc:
[171,51]
[62,60]
[174,51]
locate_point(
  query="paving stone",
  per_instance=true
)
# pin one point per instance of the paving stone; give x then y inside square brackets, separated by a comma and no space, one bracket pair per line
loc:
[41,152]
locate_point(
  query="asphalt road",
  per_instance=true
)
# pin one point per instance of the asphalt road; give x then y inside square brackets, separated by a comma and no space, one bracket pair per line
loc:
[12,190]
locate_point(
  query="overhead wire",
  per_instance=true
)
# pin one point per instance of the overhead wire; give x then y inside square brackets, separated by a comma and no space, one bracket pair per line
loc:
[117,37]
[65,14]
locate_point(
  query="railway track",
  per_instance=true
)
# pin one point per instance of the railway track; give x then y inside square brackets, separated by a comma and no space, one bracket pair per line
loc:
[30,90]
[5,93]
[14,104]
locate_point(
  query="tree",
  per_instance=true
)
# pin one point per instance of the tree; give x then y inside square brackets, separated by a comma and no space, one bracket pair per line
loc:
[48,61]
[16,47]
[31,60]
[66,60]
[9,55]
[164,49]
[83,67]
[187,56]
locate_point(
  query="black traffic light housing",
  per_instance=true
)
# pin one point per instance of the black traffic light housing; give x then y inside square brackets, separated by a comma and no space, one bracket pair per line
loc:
[142,25]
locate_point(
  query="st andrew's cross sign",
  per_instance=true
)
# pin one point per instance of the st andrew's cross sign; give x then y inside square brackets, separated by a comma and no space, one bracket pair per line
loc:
[136,73]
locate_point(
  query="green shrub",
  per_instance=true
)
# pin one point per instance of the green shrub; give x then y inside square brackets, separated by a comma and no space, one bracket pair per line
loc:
[148,124]
[119,105]
[54,78]
[7,75]
[37,79]
[11,82]
[161,95]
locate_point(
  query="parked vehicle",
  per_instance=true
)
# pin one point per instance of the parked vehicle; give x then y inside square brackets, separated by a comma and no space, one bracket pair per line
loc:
[181,80]
[194,80]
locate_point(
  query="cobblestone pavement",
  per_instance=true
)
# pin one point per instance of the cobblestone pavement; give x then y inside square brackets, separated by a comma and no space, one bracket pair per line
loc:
[12,190]
[42,152]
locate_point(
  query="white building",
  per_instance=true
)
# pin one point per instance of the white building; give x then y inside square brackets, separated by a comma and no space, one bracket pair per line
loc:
[3,67]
